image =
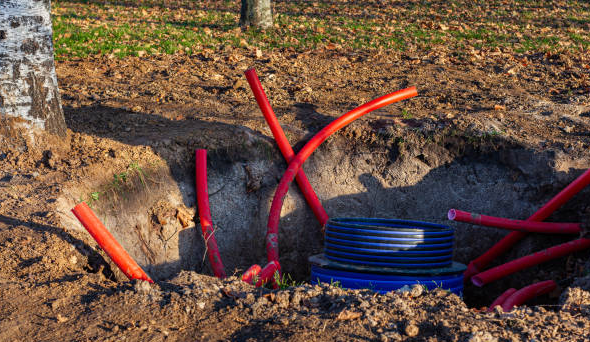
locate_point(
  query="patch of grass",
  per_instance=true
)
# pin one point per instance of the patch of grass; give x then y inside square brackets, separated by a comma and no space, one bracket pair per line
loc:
[285,281]
[121,184]
[406,114]
[84,28]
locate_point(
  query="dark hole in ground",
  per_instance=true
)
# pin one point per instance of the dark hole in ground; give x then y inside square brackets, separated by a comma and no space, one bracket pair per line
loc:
[355,175]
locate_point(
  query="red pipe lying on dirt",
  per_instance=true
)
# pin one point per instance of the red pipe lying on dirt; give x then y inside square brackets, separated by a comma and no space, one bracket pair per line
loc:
[251,273]
[108,243]
[518,225]
[480,263]
[272,239]
[267,275]
[284,146]
[205,214]
[527,293]
[551,253]
[501,299]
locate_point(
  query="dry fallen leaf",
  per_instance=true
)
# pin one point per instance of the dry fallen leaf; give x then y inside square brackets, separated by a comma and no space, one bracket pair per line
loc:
[348,315]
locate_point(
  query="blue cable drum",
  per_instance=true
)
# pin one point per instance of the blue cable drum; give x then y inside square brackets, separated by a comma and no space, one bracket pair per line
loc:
[361,240]
[387,254]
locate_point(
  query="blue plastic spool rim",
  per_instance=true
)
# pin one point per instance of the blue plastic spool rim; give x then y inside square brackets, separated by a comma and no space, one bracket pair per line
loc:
[399,240]
[369,231]
[392,284]
[385,258]
[384,277]
[397,252]
[387,224]
[321,261]
[388,246]
[391,264]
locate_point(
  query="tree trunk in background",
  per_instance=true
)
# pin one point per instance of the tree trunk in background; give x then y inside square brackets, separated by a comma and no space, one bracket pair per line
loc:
[29,95]
[257,13]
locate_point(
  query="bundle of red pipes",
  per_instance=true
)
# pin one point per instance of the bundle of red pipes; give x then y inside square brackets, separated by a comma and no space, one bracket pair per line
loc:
[521,228]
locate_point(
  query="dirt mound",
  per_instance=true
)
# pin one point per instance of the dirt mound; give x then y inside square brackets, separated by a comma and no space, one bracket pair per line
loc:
[461,143]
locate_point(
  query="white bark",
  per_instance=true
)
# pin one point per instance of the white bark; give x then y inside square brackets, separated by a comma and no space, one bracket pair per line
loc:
[28,84]
[256,13]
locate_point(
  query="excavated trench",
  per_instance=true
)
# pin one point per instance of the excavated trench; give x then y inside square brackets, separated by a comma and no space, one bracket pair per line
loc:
[153,214]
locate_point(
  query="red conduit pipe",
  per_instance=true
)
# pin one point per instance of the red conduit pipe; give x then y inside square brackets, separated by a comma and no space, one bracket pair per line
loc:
[272,239]
[251,274]
[267,275]
[108,243]
[501,299]
[480,263]
[527,293]
[205,213]
[518,225]
[551,253]
[284,146]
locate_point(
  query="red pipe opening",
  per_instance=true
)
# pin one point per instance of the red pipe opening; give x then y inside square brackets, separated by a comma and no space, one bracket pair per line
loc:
[205,214]
[268,274]
[272,240]
[501,299]
[284,146]
[251,274]
[108,243]
[480,263]
[527,293]
[518,225]
[555,252]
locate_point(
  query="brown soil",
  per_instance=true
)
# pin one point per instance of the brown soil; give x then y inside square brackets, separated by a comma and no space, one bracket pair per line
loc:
[56,285]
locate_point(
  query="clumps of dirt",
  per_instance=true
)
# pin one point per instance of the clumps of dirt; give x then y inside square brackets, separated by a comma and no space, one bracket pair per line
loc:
[327,312]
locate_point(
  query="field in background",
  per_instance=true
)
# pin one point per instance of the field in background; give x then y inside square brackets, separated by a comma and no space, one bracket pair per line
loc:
[462,27]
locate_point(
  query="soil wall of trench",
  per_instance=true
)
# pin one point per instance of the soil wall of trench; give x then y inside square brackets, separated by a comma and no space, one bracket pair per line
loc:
[354,174]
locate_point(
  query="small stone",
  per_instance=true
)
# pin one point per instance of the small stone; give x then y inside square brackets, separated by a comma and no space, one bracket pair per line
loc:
[61,319]
[73,260]
[201,305]
[411,330]
[481,336]
[282,299]
[238,84]
[417,291]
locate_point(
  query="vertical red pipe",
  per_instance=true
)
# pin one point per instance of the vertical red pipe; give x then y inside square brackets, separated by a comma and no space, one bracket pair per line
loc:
[284,146]
[108,243]
[272,237]
[480,263]
[205,214]
[527,293]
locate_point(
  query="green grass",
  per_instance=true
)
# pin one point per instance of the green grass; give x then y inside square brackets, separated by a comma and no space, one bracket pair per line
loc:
[85,28]
[120,186]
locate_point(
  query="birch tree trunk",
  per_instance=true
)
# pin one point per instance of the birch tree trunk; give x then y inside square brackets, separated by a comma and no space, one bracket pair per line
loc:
[29,95]
[257,13]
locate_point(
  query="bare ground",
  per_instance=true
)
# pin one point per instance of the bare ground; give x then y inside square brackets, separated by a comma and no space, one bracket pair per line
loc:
[55,284]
